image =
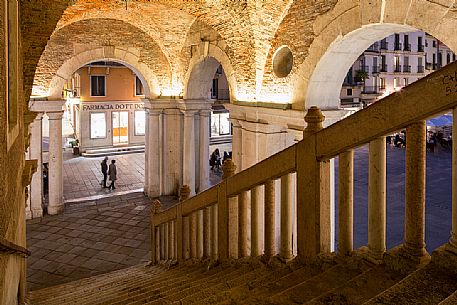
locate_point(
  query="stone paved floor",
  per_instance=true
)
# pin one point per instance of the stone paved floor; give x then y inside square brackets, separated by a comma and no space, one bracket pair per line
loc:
[89,238]
[82,176]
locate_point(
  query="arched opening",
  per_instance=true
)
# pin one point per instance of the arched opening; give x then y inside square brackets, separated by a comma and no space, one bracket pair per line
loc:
[358,70]
[209,81]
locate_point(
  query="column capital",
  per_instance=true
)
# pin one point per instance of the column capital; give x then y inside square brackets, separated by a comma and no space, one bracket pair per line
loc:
[46,106]
[205,112]
[189,113]
[153,112]
[58,115]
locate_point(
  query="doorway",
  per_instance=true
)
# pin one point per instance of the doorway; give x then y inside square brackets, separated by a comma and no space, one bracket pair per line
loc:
[120,121]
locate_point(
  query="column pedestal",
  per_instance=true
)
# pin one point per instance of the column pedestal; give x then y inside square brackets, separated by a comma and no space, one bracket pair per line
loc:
[189,151]
[204,149]
[153,154]
[36,185]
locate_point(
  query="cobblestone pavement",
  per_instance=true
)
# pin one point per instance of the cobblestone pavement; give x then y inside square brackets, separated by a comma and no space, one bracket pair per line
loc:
[89,238]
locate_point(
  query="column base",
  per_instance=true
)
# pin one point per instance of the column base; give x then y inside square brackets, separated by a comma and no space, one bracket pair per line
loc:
[37,213]
[55,209]
[375,257]
[401,259]
[28,214]
[446,257]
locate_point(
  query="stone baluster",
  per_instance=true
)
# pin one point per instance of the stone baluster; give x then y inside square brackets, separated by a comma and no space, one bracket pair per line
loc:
[286,217]
[193,234]
[213,232]
[313,192]
[377,200]
[414,243]
[162,241]
[223,219]
[244,226]
[345,202]
[155,238]
[166,240]
[200,249]
[184,193]
[257,218]
[171,240]
[452,245]
[270,247]
[207,232]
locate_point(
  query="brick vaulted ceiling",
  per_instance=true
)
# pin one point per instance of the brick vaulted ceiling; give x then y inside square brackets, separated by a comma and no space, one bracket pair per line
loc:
[246,28]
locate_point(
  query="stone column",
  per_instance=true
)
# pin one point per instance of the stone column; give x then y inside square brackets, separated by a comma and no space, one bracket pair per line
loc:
[452,245]
[56,204]
[345,202]
[377,199]
[237,143]
[204,149]
[270,247]
[414,244]
[189,151]
[286,217]
[153,153]
[36,186]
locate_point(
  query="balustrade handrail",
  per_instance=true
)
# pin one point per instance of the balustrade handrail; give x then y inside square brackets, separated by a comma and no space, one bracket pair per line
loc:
[390,114]
[8,247]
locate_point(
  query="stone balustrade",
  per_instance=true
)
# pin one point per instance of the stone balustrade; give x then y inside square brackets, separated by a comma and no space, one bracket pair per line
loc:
[228,221]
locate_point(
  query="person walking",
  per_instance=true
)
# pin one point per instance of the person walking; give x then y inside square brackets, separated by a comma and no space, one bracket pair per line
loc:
[112,172]
[104,166]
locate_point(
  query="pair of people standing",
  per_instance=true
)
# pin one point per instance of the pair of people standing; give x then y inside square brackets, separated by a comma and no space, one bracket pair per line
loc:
[110,171]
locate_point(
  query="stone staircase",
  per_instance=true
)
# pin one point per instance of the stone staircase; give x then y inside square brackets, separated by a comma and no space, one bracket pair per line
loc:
[327,281]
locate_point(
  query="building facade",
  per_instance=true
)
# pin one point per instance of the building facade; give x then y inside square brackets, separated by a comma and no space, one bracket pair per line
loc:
[391,64]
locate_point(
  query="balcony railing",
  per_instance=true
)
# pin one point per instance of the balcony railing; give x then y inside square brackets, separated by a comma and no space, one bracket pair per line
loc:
[406,69]
[397,68]
[428,66]
[371,90]
[384,45]
[374,47]
[420,48]
[376,69]
[407,47]
[365,69]
[397,46]
[384,68]
[420,69]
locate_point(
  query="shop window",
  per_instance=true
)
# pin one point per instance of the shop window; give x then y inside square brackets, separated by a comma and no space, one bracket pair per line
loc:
[139,90]
[140,123]
[98,125]
[97,85]
[220,125]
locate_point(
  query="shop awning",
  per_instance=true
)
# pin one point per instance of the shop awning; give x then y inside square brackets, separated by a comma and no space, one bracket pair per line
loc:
[442,120]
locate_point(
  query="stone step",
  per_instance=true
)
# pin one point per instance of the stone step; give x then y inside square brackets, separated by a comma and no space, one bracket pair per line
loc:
[222,286]
[319,284]
[361,288]
[202,275]
[200,291]
[428,285]
[86,284]
[150,285]
[450,300]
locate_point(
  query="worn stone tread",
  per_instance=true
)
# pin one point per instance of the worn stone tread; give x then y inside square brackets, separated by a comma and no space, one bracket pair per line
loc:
[428,285]
[361,288]
[450,300]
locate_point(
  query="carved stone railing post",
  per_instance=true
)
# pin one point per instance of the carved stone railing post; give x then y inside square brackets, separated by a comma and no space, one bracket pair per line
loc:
[270,232]
[184,223]
[257,220]
[223,211]
[345,202]
[286,217]
[155,208]
[377,200]
[313,192]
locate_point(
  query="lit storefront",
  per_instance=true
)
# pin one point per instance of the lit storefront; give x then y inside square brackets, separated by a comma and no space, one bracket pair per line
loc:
[111,124]
[105,107]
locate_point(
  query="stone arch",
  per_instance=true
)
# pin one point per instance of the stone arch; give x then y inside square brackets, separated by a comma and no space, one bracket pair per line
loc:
[123,56]
[348,29]
[197,81]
